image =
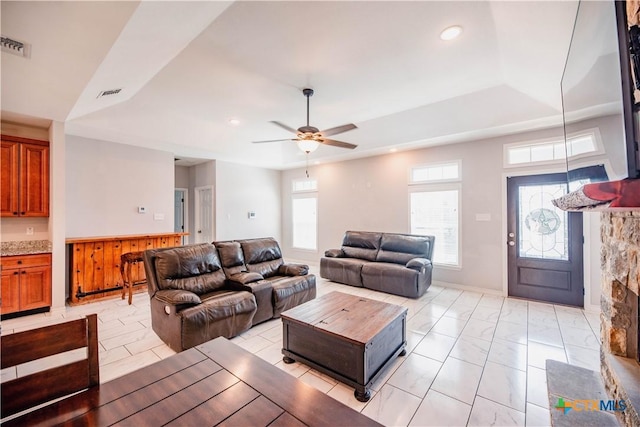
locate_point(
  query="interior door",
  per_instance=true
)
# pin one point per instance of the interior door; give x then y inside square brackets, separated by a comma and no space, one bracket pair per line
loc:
[545,243]
[204,215]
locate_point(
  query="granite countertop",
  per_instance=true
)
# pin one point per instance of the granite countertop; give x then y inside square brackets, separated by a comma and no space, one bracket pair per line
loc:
[25,247]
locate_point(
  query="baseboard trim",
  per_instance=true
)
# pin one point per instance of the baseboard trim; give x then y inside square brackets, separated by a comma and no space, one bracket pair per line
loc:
[468,288]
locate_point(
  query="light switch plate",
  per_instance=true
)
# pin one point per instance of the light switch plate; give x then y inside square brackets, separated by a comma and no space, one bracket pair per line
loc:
[158,216]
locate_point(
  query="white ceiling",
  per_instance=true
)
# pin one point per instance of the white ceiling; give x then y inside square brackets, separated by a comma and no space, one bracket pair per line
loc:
[186,68]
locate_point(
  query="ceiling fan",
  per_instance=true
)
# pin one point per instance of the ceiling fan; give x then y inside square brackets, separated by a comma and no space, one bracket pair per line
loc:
[308,137]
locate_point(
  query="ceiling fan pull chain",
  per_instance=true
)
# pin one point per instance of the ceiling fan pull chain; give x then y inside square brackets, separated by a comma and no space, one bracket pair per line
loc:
[306,171]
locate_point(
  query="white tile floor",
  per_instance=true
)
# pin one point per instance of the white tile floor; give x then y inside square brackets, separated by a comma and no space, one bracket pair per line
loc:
[472,359]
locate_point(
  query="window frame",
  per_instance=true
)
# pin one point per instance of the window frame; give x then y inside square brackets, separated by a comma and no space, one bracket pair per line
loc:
[457,162]
[594,132]
[439,186]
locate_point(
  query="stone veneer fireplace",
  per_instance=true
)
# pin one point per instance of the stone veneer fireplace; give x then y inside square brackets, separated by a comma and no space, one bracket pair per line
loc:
[619,322]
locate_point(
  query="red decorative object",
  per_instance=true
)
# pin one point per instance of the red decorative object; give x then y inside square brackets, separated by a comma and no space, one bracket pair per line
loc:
[619,194]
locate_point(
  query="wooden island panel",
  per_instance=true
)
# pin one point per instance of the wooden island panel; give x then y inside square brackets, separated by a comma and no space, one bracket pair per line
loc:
[94,263]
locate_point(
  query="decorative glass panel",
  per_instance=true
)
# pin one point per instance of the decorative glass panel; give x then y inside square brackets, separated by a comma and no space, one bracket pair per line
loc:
[542,227]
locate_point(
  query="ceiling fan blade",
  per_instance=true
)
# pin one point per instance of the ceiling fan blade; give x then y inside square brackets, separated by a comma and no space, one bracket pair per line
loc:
[274,140]
[283,126]
[339,129]
[335,143]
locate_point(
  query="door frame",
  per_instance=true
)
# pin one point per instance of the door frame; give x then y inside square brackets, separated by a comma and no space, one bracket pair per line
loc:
[586,248]
[185,213]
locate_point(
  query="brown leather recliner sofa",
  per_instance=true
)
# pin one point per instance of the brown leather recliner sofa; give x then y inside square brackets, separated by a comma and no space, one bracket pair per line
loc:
[398,264]
[195,298]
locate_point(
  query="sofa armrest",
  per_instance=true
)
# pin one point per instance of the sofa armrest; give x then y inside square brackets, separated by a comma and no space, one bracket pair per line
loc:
[244,277]
[293,270]
[177,297]
[418,264]
[334,253]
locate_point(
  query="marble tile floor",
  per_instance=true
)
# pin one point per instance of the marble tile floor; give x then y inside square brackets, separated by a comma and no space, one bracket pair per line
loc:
[472,359]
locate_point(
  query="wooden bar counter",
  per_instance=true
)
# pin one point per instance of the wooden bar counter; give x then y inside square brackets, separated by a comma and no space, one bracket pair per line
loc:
[94,263]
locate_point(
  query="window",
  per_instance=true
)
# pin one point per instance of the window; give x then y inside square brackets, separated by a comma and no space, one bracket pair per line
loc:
[553,151]
[304,214]
[300,185]
[436,212]
[437,172]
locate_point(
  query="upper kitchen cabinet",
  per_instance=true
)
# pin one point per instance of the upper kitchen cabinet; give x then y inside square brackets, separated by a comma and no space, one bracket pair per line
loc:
[25,177]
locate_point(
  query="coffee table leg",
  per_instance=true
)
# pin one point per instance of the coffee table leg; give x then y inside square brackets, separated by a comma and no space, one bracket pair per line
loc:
[362,396]
[287,360]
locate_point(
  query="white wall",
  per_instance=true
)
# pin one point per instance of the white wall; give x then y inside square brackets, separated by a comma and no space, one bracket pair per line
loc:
[372,194]
[181,176]
[240,189]
[107,182]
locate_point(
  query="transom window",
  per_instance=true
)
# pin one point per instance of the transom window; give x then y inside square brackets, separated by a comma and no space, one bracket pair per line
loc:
[436,172]
[584,144]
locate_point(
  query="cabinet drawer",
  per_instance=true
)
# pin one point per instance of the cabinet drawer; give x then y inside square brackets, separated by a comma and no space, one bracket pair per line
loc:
[20,261]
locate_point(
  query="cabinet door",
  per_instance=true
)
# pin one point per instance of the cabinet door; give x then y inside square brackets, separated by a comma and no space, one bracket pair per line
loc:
[10,291]
[34,173]
[9,170]
[35,287]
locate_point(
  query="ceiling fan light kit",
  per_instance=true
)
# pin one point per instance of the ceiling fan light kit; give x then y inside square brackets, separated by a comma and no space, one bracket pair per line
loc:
[309,138]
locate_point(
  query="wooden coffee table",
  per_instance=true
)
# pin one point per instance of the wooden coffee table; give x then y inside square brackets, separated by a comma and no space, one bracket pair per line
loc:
[350,338]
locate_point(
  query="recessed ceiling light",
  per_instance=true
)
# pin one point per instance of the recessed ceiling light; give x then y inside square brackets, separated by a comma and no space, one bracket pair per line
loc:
[451,33]
[234,122]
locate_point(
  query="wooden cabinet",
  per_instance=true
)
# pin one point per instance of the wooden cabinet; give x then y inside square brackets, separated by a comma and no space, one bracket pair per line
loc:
[25,177]
[26,282]
[94,263]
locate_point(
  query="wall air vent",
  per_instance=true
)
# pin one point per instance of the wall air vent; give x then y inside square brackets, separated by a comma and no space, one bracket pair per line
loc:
[108,92]
[14,46]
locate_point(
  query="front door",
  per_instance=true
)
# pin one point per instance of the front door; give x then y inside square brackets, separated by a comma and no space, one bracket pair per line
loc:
[545,243]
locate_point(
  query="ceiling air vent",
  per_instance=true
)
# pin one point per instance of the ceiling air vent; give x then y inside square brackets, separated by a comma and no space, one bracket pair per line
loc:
[14,46]
[108,92]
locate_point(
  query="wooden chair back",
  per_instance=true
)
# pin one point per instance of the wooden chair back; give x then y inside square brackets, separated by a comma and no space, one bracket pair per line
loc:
[31,390]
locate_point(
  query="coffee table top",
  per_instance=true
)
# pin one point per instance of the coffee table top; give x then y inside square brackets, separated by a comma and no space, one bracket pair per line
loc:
[349,316]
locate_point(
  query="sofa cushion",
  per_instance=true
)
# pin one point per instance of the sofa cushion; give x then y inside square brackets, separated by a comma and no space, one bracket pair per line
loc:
[194,268]
[289,292]
[342,270]
[391,278]
[231,257]
[262,256]
[361,244]
[401,248]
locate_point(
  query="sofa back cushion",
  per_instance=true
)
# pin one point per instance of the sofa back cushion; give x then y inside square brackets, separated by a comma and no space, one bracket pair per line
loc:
[262,256]
[361,244]
[400,248]
[231,257]
[194,268]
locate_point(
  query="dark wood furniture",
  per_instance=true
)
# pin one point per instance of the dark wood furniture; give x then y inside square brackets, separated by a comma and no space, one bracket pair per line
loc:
[350,338]
[25,177]
[40,387]
[129,262]
[26,283]
[94,263]
[215,383]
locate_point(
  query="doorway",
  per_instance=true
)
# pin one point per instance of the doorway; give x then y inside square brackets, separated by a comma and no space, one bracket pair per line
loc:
[204,214]
[181,212]
[545,244]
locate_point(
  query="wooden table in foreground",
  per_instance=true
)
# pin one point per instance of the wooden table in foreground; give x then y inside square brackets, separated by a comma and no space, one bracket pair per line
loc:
[215,383]
[350,338]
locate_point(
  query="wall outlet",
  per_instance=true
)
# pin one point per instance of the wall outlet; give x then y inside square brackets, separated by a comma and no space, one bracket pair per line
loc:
[29,231]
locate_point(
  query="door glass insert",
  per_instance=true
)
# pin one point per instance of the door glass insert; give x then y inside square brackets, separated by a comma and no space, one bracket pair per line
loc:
[543,231]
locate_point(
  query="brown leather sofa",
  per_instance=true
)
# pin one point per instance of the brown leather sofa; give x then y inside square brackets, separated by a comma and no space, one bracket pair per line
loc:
[398,264]
[194,299]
